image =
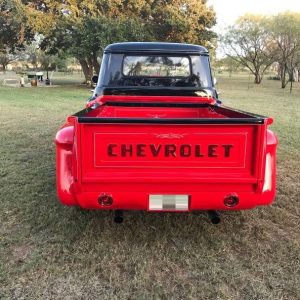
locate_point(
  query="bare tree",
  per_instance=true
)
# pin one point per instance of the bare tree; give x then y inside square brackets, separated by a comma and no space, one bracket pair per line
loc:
[285,30]
[249,43]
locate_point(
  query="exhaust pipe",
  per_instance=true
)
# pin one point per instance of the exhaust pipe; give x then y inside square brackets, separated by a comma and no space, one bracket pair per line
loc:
[118,216]
[214,216]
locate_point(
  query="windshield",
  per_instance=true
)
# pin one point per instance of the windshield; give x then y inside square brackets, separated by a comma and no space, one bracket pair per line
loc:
[156,66]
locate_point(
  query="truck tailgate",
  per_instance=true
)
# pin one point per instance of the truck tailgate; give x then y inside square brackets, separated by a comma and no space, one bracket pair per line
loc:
[116,152]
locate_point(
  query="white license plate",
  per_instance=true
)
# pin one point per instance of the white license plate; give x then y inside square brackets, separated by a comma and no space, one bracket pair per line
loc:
[168,202]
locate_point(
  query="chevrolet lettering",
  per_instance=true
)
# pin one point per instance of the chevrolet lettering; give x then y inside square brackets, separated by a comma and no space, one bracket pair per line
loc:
[168,150]
[156,137]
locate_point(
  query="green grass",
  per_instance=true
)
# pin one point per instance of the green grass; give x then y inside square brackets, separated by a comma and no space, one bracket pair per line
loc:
[48,251]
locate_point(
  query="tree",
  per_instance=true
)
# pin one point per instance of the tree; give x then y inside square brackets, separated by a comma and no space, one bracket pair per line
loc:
[179,21]
[5,58]
[285,29]
[13,30]
[84,28]
[249,43]
[228,64]
[81,30]
[87,38]
[32,52]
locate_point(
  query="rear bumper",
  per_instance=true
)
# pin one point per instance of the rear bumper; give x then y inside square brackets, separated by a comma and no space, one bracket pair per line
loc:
[136,195]
[197,200]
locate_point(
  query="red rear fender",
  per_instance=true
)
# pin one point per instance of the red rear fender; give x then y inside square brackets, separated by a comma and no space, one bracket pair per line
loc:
[65,164]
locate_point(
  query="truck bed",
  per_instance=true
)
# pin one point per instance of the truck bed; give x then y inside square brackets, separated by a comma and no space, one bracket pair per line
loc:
[164,113]
[136,151]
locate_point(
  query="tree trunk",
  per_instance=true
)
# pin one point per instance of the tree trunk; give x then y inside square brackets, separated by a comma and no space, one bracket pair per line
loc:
[283,76]
[96,65]
[88,66]
[257,79]
[85,69]
[4,67]
[284,82]
[91,70]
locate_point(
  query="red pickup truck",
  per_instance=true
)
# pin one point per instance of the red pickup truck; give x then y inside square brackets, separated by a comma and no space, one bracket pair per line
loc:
[155,137]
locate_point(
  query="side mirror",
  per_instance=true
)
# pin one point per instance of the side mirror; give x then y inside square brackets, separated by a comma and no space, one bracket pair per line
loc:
[95,79]
[215,80]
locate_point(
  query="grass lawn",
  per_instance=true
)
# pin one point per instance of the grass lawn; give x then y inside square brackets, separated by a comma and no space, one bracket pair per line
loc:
[48,251]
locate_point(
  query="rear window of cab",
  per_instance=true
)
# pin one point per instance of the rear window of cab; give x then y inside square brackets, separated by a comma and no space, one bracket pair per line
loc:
[156,66]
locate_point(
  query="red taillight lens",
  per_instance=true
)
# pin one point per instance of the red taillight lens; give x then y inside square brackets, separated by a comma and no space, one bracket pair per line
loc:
[231,200]
[105,200]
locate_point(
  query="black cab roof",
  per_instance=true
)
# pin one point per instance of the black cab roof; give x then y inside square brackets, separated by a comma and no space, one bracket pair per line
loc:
[154,47]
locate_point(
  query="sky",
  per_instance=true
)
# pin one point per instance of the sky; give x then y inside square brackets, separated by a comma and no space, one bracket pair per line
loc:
[229,10]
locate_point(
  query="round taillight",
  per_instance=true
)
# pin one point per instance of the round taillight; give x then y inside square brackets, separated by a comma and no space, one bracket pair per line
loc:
[105,200]
[231,200]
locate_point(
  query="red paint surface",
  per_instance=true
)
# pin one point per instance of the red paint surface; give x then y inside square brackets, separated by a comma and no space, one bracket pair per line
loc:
[85,170]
